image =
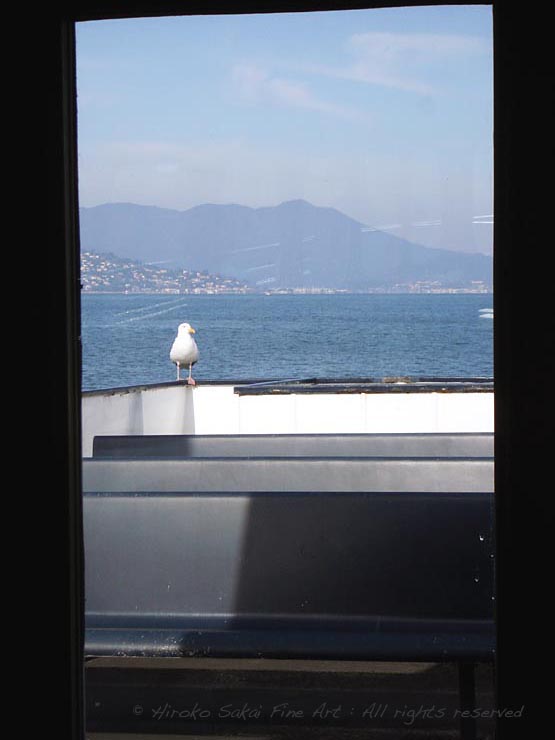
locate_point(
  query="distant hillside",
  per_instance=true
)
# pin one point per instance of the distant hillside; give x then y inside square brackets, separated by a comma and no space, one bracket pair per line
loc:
[108,273]
[293,245]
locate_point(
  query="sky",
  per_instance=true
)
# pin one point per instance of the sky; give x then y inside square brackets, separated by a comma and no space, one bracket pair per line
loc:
[386,115]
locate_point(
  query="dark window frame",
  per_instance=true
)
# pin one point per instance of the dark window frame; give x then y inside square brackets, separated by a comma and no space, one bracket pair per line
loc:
[523,349]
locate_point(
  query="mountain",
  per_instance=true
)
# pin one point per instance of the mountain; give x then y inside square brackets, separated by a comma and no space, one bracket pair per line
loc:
[292,245]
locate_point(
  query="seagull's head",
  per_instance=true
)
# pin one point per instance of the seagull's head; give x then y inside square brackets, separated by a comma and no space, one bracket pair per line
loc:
[185,329]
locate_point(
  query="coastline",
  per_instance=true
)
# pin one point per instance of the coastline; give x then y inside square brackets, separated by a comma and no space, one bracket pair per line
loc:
[297,291]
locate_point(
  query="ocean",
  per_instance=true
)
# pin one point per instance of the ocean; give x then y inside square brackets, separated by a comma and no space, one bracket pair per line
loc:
[126,339]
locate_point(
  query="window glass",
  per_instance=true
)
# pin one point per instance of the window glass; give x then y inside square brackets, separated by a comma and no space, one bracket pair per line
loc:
[286,228]
[312,192]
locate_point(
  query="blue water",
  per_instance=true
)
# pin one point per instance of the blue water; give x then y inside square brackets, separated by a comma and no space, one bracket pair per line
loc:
[127,338]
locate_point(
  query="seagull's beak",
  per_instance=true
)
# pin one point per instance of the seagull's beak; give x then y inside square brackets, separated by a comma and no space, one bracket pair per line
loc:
[191,330]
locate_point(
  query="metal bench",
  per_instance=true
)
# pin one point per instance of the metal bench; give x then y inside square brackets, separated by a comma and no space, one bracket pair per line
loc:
[320,558]
[361,558]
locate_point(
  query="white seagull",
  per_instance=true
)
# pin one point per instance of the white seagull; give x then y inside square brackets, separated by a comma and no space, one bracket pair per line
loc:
[184,350]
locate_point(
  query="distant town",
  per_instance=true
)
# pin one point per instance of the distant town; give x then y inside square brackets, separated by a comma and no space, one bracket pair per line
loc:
[108,273]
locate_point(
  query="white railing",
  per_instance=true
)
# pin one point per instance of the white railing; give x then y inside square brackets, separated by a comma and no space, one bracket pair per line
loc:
[217,409]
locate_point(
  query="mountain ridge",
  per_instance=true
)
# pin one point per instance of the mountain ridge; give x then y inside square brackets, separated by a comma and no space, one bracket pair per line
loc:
[292,245]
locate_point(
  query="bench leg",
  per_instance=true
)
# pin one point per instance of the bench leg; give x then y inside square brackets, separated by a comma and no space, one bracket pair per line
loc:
[467,698]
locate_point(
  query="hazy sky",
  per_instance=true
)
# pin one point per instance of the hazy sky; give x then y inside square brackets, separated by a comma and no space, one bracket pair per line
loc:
[386,115]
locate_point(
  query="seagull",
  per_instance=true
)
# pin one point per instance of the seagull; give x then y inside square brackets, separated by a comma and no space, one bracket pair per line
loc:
[184,350]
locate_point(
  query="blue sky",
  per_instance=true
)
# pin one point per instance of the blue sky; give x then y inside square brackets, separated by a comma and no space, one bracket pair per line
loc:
[386,115]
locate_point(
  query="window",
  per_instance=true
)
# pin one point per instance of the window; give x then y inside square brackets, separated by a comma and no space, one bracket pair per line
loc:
[521,423]
[316,199]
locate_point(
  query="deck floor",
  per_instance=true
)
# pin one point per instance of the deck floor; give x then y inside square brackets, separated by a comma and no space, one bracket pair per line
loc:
[388,692]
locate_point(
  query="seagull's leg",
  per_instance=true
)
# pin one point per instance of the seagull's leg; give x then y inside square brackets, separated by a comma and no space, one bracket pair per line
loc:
[190,379]
[177,366]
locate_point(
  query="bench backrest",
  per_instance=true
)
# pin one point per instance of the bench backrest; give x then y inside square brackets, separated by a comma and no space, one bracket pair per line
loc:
[292,474]
[295,445]
[362,558]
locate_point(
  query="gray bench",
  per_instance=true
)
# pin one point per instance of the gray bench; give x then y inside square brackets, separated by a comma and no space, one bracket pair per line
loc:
[295,445]
[376,558]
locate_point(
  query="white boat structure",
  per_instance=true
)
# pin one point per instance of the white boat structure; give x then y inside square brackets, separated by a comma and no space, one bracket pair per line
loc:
[392,405]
